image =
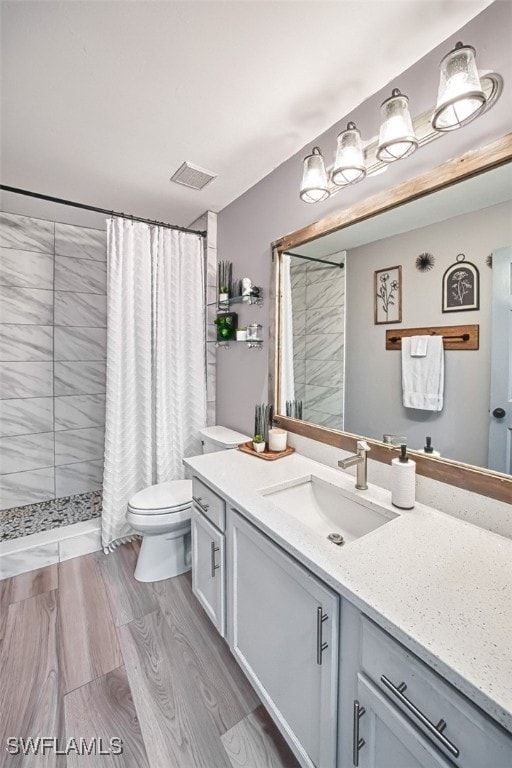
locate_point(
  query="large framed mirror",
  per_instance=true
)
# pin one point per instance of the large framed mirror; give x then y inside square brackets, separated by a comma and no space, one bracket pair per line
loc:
[340,284]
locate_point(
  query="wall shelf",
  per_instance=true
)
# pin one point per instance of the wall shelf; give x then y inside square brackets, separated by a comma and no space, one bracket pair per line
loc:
[222,306]
[250,343]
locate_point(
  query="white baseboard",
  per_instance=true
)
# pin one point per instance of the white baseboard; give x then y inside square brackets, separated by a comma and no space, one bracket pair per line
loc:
[40,549]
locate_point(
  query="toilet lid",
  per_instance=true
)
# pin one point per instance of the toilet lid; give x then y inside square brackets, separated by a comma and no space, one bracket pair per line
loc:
[176,494]
[224,437]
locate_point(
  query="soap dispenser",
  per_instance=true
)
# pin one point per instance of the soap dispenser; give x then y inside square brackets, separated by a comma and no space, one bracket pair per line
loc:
[403,480]
[428,448]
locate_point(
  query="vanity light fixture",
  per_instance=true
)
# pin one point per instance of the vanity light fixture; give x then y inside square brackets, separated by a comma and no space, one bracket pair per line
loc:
[460,97]
[464,94]
[396,138]
[349,166]
[314,187]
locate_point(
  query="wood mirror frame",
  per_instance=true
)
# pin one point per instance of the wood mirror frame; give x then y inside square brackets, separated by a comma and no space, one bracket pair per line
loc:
[486,482]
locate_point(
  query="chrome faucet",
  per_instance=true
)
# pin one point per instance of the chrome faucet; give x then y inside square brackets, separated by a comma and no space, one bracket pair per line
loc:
[359,458]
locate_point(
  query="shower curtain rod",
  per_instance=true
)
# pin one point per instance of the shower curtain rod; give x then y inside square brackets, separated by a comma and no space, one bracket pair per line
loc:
[310,258]
[84,207]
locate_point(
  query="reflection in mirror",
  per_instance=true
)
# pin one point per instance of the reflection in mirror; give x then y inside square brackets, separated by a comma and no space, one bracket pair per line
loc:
[333,357]
[313,338]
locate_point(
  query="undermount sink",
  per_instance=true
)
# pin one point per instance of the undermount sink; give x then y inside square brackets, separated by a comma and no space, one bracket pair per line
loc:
[327,508]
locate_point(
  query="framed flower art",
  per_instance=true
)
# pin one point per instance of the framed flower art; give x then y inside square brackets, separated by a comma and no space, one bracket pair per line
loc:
[388,295]
[461,286]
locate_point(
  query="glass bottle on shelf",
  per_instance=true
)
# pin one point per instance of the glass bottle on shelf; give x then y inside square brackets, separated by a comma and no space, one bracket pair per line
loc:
[254,332]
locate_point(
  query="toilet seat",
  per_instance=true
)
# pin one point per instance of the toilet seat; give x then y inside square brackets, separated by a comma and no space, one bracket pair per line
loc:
[166,521]
[156,512]
[163,498]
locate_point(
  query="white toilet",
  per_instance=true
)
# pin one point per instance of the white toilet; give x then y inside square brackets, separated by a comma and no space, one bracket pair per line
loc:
[161,513]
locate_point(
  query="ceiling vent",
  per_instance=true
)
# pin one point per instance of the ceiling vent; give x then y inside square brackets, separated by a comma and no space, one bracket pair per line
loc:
[192,176]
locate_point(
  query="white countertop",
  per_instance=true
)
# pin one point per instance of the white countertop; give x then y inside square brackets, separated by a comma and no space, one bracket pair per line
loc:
[441,586]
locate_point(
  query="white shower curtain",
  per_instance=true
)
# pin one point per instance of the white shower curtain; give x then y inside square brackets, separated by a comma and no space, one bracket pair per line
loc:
[156,372]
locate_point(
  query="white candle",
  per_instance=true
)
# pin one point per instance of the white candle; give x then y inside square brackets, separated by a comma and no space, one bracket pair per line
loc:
[277,439]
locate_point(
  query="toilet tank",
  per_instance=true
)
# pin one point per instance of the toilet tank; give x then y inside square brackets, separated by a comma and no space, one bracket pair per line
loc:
[220,439]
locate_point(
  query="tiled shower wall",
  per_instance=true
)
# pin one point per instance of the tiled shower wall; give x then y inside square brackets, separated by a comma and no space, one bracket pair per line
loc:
[208,222]
[318,301]
[52,359]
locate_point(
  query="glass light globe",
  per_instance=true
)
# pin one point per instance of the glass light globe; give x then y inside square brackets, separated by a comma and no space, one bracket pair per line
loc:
[349,167]
[314,187]
[396,138]
[460,97]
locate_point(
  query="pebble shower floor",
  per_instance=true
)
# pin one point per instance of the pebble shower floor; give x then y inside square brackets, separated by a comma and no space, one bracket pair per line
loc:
[46,515]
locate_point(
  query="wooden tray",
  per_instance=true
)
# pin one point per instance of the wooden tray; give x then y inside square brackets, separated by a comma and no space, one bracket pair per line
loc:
[267,455]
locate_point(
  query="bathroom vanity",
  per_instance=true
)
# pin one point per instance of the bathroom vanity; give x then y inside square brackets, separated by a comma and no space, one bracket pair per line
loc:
[208,525]
[392,649]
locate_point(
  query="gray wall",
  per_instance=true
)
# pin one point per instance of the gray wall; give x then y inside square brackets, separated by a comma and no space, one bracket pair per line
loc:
[272,207]
[373,402]
[52,359]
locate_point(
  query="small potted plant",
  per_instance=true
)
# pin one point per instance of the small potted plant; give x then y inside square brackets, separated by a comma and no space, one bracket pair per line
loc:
[223,294]
[258,443]
[226,323]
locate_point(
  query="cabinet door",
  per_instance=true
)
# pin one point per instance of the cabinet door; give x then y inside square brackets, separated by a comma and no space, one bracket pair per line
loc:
[284,633]
[468,736]
[383,738]
[208,570]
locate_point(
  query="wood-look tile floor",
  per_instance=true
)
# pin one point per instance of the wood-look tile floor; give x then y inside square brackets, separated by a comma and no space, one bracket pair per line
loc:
[87,652]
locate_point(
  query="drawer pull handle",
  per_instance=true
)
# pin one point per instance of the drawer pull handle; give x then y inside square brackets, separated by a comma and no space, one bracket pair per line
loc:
[357,742]
[199,501]
[320,646]
[213,550]
[435,730]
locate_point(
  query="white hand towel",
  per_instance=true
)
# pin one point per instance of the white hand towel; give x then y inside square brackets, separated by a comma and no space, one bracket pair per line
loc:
[419,346]
[423,377]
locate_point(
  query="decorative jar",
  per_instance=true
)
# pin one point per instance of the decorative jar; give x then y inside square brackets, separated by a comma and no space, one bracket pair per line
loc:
[254,332]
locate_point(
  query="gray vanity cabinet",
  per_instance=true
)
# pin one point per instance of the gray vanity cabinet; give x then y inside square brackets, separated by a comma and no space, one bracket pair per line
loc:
[404,715]
[283,629]
[208,553]
[383,738]
[343,694]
